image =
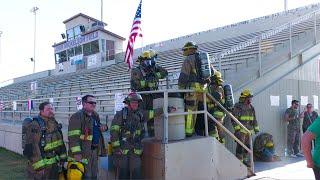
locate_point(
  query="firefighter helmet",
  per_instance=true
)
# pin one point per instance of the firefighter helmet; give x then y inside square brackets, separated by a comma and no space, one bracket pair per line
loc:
[246,93]
[189,48]
[148,54]
[190,45]
[216,78]
[132,97]
[75,170]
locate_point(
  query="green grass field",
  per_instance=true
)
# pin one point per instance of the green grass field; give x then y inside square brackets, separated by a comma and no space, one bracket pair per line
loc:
[12,165]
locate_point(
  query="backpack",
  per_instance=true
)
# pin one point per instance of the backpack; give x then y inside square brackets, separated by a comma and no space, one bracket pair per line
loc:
[27,147]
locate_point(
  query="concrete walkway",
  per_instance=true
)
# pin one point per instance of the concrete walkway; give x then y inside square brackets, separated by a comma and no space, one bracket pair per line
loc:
[287,168]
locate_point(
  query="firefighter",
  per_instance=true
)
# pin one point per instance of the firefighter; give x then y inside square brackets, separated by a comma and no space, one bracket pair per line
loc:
[126,134]
[190,78]
[263,148]
[45,149]
[216,90]
[85,137]
[146,77]
[245,113]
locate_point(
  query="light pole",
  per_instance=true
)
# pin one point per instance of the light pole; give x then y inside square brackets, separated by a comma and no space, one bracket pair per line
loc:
[0,46]
[285,5]
[101,11]
[34,11]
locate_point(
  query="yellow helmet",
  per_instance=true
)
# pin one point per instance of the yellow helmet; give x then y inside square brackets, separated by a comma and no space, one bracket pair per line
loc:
[189,48]
[269,144]
[217,77]
[149,54]
[246,93]
[75,170]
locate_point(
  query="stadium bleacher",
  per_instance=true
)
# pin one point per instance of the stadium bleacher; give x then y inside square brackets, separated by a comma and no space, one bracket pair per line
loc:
[105,81]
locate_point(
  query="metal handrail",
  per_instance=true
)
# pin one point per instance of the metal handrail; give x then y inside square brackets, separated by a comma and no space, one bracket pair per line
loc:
[250,149]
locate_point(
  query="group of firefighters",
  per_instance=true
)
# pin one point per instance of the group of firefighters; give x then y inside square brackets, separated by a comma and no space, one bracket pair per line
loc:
[45,149]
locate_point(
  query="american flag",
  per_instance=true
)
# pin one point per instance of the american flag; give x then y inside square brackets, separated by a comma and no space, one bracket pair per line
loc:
[135,31]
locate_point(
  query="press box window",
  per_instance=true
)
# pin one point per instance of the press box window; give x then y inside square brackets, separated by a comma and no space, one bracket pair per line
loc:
[91,48]
[61,57]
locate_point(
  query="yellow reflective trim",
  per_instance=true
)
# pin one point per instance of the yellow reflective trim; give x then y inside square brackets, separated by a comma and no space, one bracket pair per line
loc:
[115,144]
[76,132]
[124,151]
[151,114]
[218,114]
[189,128]
[143,83]
[115,128]
[138,132]
[137,151]
[246,118]
[237,127]
[63,156]
[84,161]
[76,149]
[210,105]
[151,84]
[88,138]
[53,145]
[44,162]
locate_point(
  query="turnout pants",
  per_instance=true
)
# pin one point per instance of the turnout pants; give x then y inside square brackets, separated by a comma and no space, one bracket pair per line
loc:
[128,166]
[241,153]
[191,101]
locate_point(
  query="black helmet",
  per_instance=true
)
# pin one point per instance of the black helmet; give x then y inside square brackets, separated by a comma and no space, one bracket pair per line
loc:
[132,97]
[190,45]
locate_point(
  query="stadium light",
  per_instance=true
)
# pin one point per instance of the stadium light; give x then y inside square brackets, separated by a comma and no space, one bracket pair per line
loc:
[34,11]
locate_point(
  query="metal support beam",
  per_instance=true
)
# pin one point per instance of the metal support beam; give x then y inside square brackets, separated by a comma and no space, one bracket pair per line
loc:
[165,118]
[205,114]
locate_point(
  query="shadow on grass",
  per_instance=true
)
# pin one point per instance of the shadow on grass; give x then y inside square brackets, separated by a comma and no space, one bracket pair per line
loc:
[12,165]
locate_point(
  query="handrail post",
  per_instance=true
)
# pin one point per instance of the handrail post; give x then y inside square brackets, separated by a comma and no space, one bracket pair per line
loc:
[251,154]
[205,114]
[165,118]
[260,63]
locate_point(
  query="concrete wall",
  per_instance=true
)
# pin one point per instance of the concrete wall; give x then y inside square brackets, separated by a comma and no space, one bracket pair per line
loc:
[304,81]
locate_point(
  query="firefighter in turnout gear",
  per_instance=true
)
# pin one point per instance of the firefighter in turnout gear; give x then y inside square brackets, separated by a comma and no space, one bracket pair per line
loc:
[216,90]
[146,77]
[85,137]
[191,78]
[44,146]
[245,113]
[126,134]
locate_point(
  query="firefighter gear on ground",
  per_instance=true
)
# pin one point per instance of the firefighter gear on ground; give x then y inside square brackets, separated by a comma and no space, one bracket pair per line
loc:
[263,148]
[44,148]
[245,113]
[81,135]
[216,90]
[75,171]
[126,134]
[146,77]
[191,78]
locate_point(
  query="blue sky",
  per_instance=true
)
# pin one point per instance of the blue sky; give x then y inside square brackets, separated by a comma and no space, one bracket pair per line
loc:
[161,20]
